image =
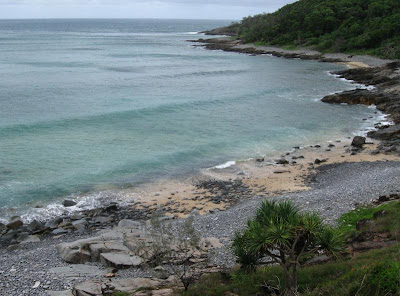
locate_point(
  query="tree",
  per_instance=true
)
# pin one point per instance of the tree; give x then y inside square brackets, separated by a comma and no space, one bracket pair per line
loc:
[285,236]
[181,254]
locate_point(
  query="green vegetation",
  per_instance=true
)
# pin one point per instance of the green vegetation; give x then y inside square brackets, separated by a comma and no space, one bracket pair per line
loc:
[371,273]
[352,26]
[120,294]
[386,219]
[283,234]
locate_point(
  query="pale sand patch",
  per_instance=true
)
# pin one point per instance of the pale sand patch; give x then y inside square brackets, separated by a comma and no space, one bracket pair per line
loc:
[263,178]
[355,65]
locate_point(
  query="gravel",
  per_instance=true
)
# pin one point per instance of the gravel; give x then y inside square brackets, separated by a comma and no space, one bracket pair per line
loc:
[336,189]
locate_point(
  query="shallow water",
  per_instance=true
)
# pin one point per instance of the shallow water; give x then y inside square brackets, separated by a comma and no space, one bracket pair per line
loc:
[88,105]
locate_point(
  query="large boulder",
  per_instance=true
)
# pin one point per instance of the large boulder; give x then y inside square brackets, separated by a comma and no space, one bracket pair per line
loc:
[15,223]
[35,226]
[358,141]
[120,261]
[106,247]
[88,288]
[129,285]
[53,223]
[85,250]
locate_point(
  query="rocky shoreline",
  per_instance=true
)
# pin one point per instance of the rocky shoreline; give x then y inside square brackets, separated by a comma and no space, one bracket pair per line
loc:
[382,76]
[92,255]
[385,95]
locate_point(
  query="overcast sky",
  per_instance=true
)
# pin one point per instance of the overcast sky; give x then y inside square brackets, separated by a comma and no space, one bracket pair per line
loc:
[189,9]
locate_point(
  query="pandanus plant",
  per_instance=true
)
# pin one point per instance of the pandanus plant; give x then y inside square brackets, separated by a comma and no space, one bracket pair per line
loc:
[284,235]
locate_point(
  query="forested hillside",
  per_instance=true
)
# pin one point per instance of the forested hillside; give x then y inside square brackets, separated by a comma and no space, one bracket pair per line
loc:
[370,26]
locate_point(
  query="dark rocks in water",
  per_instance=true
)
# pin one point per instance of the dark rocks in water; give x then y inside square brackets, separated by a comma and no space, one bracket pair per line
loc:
[281,161]
[260,159]
[113,207]
[386,81]
[15,223]
[391,132]
[69,203]
[35,226]
[385,96]
[356,97]
[53,223]
[358,141]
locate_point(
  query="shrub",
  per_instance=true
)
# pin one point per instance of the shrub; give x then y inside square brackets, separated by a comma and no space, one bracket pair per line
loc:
[284,236]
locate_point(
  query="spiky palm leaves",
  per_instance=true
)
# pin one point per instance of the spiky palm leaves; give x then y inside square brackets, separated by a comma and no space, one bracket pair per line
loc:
[284,234]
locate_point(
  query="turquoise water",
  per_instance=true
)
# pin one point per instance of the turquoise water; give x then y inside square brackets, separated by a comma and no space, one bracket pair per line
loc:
[88,104]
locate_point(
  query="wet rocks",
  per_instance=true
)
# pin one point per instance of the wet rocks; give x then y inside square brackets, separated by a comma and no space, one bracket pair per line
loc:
[358,141]
[319,161]
[356,97]
[385,96]
[281,161]
[225,191]
[69,203]
[15,223]
[35,226]
[53,223]
[386,133]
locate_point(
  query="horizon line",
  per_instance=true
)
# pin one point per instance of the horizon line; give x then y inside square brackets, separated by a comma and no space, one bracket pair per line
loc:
[116,18]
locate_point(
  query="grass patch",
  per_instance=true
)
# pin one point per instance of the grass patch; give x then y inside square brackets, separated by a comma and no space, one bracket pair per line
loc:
[369,274]
[389,221]
[120,294]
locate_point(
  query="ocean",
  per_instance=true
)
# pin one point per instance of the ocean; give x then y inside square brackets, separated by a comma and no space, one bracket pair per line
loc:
[88,106]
